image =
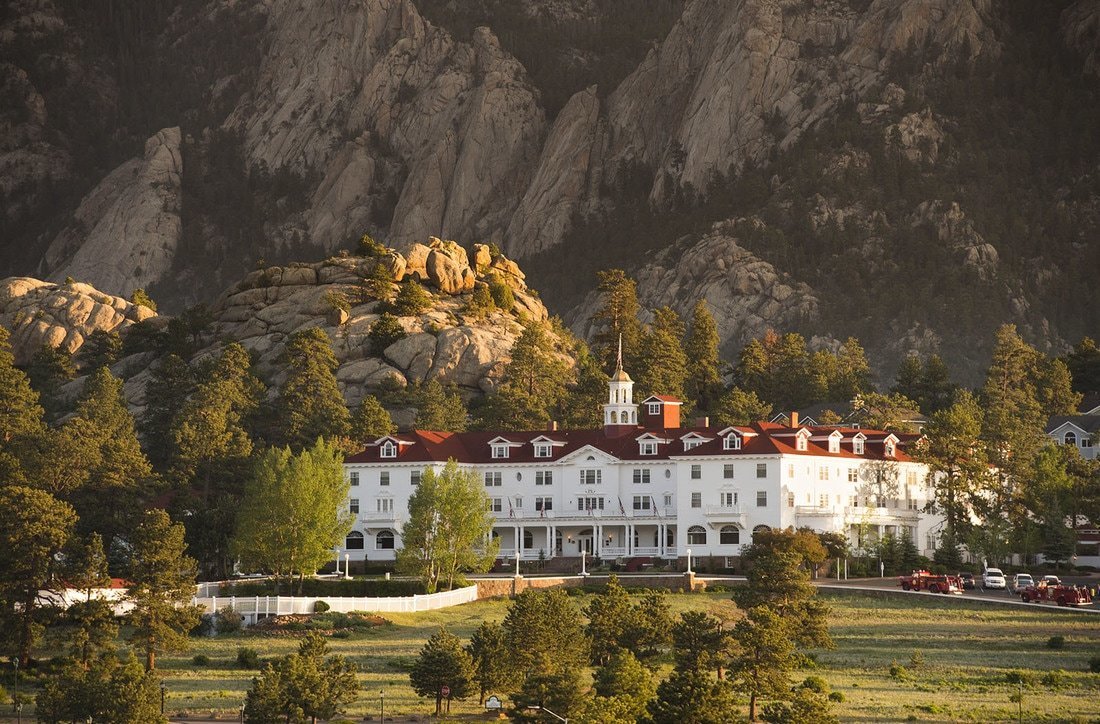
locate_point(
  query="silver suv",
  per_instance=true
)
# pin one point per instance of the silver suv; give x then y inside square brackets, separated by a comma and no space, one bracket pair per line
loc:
[993,578]
[1021,581]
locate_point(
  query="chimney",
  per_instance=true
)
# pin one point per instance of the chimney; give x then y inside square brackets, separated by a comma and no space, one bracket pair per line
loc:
[794,419]
[553,426]
[702,422]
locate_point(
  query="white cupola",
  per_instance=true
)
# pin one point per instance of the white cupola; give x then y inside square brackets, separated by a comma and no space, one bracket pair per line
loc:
[620,414]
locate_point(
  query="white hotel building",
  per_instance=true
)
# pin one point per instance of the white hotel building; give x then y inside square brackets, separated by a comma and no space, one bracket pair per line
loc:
[645,487]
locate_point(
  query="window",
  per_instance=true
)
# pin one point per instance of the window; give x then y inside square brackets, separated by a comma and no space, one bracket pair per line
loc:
[823,473]
[697,535]
[800,442]
[528,540]
[731,442]
[668,500]
[543,450]
[641,476]
[728,500]
[696,472]
[353,479]
[889,448]
[647,447]
[761,498]
[730,535]
[500,452]
[696,500]
[857,446]
[653,408]
[911,478]
[591,477]
[853,475]
[544,477]
[414,477]
[641,502]
[834,443]
[790,471]
[790,500]
[353,506]
[823,500]
[384,505]
[544,504]
[384,478]
[1070,438]
[354,541]
[761,470]
[384,540]
[1086,442]
[388,450]
[492,480]
[496,504]
[589,503]
[519,502]
[727,471]
[760,529]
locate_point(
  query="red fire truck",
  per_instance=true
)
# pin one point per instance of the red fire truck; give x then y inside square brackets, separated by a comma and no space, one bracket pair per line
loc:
[931,582]
[1060,594]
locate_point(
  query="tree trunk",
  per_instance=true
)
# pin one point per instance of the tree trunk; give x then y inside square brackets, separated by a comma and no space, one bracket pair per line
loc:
[438,703]
[26,631]
[150,658]
[752,707]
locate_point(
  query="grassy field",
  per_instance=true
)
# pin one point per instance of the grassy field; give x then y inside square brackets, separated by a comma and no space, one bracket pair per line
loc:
[967,649]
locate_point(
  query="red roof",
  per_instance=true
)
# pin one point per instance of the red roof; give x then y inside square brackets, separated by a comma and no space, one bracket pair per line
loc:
[760,438]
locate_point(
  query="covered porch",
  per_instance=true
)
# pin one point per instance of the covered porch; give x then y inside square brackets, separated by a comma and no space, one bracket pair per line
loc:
[596,540]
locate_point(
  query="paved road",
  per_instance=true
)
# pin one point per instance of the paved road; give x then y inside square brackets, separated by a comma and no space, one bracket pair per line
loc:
[891,584]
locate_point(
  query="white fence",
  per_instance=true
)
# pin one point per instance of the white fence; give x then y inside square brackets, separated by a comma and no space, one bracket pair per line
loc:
[255,607]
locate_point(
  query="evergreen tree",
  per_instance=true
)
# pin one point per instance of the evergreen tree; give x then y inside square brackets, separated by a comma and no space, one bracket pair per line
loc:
[107,689]
[92,621]
[120,478]
[20,415]
[162,584]
[805,707]
[698,642]
[956,461]
[691,696]
[293,511]
[443,662]
[50,368]
[704,380]
[139,296]
[617,319]
[1084,365]
[480,304]
[581,407]
[1055,389]
[100,349]
[34,529]
[610,615]
[544,626]
[438,408]
[559,689]
[738,407]
[488,650]
[853,373]
[370,421]
[385,331]
[534,385]
[412,299]
[765,656]
[909,379]
[651,627]
[448,525]
[625,678]
[304,686]
[310,404]
[662,368]
[170,384]
[779,371]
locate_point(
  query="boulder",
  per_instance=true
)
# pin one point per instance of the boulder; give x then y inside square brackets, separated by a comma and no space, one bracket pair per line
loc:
[446,274]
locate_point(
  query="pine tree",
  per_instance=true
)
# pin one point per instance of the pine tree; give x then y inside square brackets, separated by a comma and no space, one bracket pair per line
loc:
[489,652]
[34,529]
[50,368]
[385,331]
[956,461]
[310,404]
[170,384]
[162,584]
[107,689]
[100,349]
[581,408]
[534,385]
[738,407]
[370,421]
[610,615]
[1084,365]
[624,677]
[662,369]
[438,408]
[543,625]
[412,299]
[308,684]
[704,381]
[92,620]
[853,373]
[443,662]
[617,319]
[21,422]
[698,642]
[765,656]
[691,696]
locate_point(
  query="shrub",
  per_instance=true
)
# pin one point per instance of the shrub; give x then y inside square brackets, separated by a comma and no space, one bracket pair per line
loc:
[898,671]
[320,607]
[385,331]
[501,293]
[338,301]
[227,620]
[837,696]
[200,660]
[1057,679]
[916,659]
[139,296]
[1025,678]
[480,304]
[815,684]
[412,299]
[367,246]
[1056,642]
[247,658]
[1094,664]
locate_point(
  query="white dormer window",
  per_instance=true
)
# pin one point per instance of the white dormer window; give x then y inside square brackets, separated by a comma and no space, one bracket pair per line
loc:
[543,449]
[1070,438]
[834,442]
[500,452]
[647,447]
[731,442]
[653,408]
[800,441]
[691,444]
[857,445]
[889,448]
[387,450]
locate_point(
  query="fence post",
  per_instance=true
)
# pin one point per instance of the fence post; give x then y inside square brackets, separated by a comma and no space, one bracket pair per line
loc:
[214,604]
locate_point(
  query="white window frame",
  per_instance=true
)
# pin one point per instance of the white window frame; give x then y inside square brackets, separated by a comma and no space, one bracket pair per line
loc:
[731,442]
[696,472]
[727,471]
[496,505]
[544,477]
[492,479]
[761,471]
[591,476]
[642,502]
[353,478]
[500,452]
[647,447]
[544,450]
[697,500]
[384,478]
[641,476]
[653,408]
[761,498]
[353,506]
[388,449]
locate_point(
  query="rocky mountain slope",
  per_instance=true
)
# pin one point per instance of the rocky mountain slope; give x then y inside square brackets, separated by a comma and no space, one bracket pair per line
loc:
[446,341]
[781,158]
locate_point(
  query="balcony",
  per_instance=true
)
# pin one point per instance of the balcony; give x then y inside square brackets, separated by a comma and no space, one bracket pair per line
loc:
[815,511]
[525,515]
[380,516]
[724,513]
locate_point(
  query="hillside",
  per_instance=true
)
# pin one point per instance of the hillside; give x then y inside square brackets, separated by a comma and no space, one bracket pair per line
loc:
[911,172]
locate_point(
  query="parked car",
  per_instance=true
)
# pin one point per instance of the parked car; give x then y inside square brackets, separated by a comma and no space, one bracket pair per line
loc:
[1051,580]
[1021,581]
[967,581]
[993,578]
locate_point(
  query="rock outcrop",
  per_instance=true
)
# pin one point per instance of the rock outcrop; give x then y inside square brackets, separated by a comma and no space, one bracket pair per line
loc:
[40,313]
[126,231]
[957,232]
[1081,29]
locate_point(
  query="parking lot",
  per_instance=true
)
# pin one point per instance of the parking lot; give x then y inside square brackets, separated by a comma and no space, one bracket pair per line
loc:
[891,583]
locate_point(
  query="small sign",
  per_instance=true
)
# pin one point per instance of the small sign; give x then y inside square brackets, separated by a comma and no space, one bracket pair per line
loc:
[493,702]
[445,691]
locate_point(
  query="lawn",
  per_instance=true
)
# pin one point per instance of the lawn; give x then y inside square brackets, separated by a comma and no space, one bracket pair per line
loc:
[967,649]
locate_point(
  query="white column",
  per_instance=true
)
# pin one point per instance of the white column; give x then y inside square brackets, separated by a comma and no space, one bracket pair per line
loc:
[630,539]
[549,543]
[597,540]
[661,539]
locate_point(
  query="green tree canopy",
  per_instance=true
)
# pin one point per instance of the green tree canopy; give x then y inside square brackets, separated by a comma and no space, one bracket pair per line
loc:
[692,696]
[765,656]
[534,386]
[617,318]
[488,650]
[370,421]
[439,408]
[303,686]
[704,381]
[662,368]
[442,662]
[310,404]
[107,689]
[738,407]
[544,626]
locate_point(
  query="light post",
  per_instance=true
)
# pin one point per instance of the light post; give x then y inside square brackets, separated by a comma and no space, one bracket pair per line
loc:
[584,571]
[163,694]
[689,560]
[543,708]
[382,705]
[347,565]
[337,551]
[242,713]
[517,562]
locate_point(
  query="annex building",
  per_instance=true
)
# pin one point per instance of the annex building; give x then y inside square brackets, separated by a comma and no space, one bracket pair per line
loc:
[646,486]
